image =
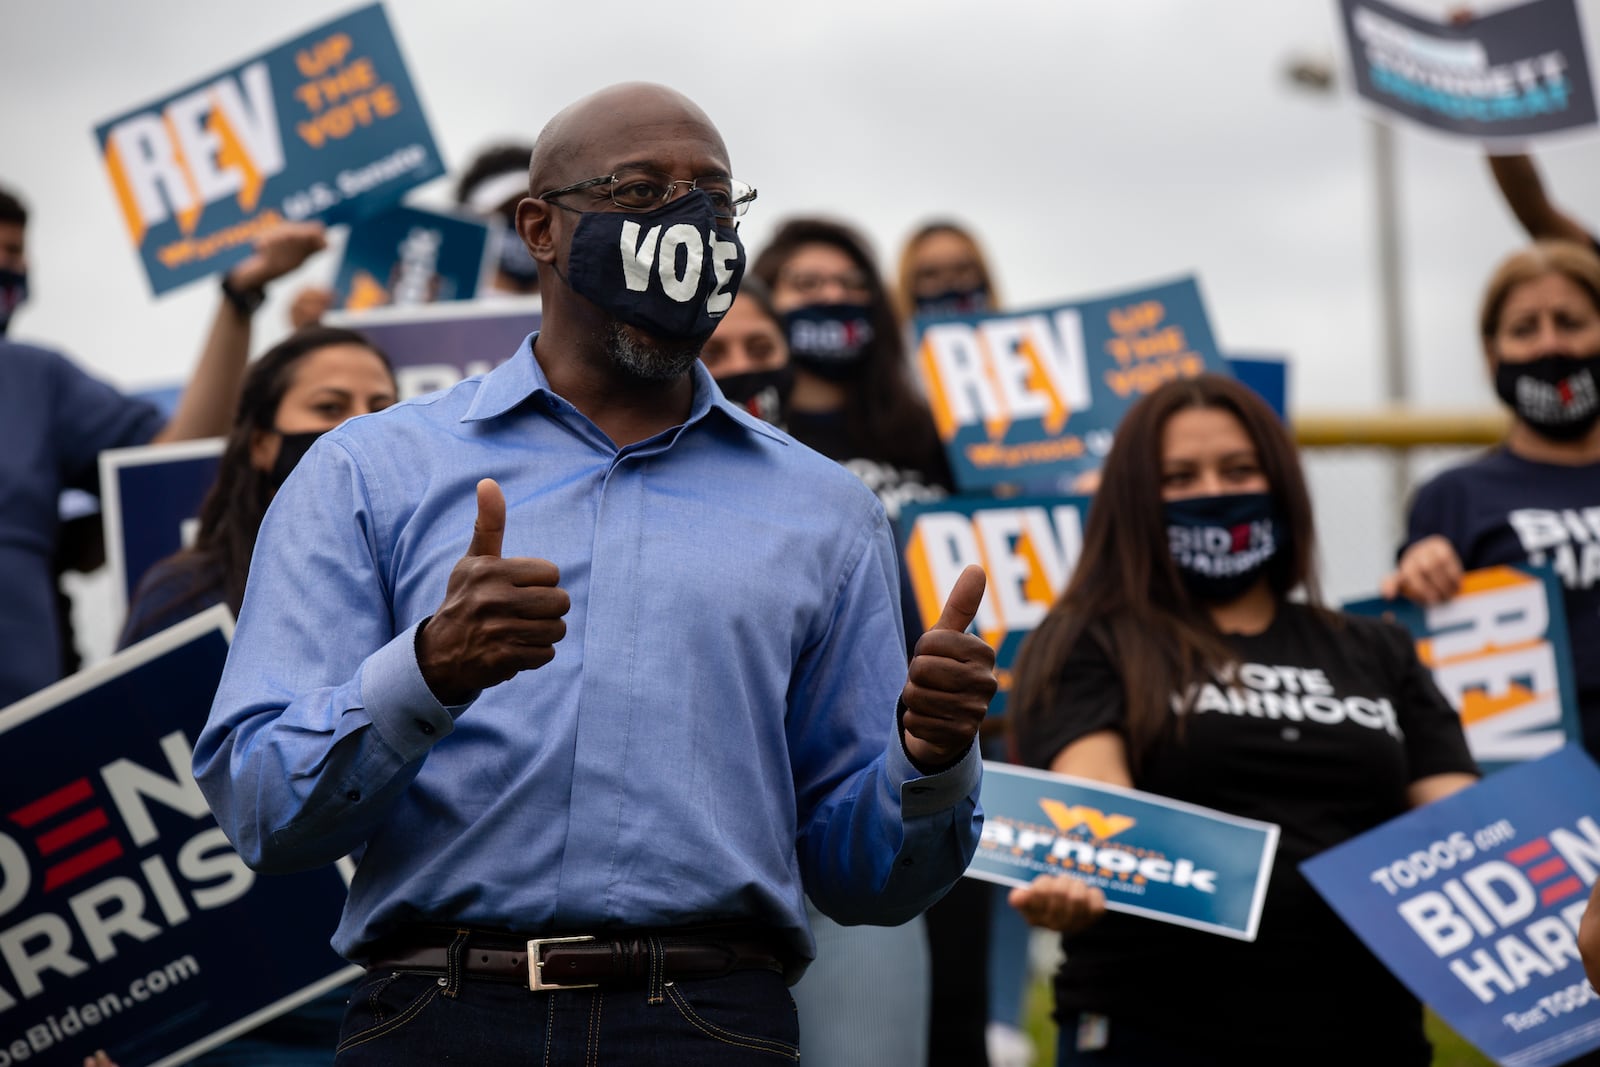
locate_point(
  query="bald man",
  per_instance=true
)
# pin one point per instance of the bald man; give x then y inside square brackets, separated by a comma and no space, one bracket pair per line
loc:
[595,673]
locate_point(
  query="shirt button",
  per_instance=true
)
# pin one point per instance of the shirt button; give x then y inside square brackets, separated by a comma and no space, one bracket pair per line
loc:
[918,789]
[354,796]
[907,862]
[425,726]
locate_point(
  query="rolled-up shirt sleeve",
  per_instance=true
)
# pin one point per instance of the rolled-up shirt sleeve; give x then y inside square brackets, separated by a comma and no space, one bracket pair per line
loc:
[322,718]
[878,840]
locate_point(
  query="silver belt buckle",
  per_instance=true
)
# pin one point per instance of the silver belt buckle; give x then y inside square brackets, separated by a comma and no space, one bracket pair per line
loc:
[536,980]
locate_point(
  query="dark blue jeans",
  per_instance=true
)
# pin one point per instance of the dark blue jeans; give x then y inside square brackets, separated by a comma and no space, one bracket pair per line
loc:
[401,1018]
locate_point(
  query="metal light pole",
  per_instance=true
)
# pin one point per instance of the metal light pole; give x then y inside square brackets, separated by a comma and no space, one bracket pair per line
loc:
[1318,76]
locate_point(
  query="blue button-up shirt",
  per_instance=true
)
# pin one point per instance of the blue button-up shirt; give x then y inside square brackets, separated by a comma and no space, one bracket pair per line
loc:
[715,737]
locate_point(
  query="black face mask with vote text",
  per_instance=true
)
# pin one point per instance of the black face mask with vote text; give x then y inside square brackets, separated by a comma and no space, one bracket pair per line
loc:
[671,272]
[1222,543]
[1556,396]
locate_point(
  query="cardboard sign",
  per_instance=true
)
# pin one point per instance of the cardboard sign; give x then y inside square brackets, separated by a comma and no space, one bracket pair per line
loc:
[1499,653]
[1028,546]
[1507,76]
[326,125]
[1032,398]
[1473,902]
[437,345]
[127,921]
[150,499]
[406,256]
[1152,856]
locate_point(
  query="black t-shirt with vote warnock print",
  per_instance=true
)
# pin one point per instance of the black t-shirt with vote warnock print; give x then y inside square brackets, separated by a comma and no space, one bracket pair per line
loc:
[1320,726]
[1502,509]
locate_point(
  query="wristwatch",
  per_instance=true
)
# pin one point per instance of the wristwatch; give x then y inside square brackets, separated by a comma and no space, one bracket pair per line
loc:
[244,301]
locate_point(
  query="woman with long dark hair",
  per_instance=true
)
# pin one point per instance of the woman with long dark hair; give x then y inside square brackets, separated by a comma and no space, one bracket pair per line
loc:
[308,384]
[1177,663]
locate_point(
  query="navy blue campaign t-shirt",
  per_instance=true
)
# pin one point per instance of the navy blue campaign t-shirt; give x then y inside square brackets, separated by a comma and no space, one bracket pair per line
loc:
[1501,509]
[55,420]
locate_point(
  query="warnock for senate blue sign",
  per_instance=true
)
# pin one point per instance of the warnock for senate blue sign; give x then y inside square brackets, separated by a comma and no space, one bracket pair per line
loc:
[1152,856]
[1027,545]
[1473,902]
[127,921]
[324,126]
[1032,398]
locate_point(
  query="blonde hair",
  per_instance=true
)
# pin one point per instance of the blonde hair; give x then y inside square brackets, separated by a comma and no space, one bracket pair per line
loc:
[904,295]
[1577,262]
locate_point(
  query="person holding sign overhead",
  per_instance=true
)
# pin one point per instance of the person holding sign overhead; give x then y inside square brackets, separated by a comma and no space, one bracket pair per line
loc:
[1536,498]
[597,673]
[1175,663]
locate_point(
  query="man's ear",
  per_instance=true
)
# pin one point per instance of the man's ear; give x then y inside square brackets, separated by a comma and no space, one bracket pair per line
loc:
[535,220]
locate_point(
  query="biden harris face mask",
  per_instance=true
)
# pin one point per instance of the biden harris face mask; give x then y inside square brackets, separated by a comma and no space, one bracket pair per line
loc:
[1555,395]
[671,272]
[1223,543]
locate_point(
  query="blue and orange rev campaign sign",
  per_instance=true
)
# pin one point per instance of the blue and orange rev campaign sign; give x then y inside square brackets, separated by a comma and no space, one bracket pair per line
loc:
[325,126]
[1499,652]
[1474,901]
[1032,398]
[1027,546]
[1152,856]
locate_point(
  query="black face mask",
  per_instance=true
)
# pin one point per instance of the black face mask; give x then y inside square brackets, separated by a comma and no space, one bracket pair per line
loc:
[953,302]
[514,259]
[1555,395]
[829,340]
[292,448]
[671,272]
[13,292]
[763,393]
[1221,544]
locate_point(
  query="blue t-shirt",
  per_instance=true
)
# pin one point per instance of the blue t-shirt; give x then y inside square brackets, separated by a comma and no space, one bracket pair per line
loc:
[55,421]
[1502,508]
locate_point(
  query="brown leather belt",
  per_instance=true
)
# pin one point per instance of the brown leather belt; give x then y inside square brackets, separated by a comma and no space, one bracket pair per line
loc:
[584,960]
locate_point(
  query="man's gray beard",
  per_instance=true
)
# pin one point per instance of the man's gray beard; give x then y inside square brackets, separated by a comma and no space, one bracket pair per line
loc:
[657,363]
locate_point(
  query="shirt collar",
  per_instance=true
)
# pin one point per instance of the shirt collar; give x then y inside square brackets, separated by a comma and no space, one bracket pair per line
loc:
[520,378]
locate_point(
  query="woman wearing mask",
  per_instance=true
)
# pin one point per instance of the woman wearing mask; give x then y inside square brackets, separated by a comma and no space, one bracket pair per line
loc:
[295,392]
[854,401]
[1533,498]
[306,385]
[943,271]
[1180,612]
[748,356]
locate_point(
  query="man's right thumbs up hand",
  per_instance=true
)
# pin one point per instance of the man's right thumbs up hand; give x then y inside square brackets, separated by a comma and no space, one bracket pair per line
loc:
[499,616]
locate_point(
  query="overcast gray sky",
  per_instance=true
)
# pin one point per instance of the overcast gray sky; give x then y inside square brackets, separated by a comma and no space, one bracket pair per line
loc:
[1095,145]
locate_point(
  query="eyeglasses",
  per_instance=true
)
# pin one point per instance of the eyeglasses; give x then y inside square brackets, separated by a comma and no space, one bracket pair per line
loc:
[811,284]
[640,189]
